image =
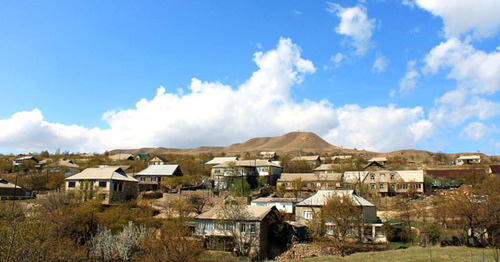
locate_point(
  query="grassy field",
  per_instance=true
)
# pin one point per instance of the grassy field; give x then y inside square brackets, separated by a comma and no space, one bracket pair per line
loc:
[415,254]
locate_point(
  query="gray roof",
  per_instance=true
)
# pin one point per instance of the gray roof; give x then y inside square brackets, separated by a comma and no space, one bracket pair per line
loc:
[6,184]
[103,173]
[321,197]
[310,177]
[256,213]
[220,160]
[159,170]
[324,167]
[276,200]
[256,162]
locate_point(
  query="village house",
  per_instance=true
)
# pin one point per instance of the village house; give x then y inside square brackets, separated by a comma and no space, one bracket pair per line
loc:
[313,161]
[151,177]
[27,159]
[386,182]
[309,181]
[220,160]
[118,157]
[255,172]
[109,182]
[286,205]
[474,159]
[9,190]
[312,206]
[157,160]
[454,178]
[268,154]
[254,228]
[325,169]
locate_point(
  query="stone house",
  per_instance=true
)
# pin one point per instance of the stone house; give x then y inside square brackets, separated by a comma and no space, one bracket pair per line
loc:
[386,182]
[255,228]
[151,177]
[310,181]
[108,182]
[255,172]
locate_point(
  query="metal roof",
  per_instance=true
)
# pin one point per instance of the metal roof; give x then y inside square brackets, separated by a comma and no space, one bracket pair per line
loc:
[220,160]
[103,173]
[159,170]
[321,197]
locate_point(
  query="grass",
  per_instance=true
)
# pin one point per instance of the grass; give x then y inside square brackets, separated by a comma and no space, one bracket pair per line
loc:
[416,254]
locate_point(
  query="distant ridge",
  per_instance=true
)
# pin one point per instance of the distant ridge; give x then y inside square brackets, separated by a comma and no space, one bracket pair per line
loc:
[293,142]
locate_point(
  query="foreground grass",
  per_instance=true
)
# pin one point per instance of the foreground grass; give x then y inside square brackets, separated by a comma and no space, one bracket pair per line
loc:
[416,254]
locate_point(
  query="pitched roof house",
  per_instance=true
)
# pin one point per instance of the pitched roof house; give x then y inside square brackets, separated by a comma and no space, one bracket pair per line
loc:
[220,160]
[310,181]
[10,190]
[387,182]
[224,174]
[307,208]
[109,182]
[150,178]
[254,227]
[473,159]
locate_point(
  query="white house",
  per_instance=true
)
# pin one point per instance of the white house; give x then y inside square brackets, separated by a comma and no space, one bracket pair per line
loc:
[475,159]
[286,205]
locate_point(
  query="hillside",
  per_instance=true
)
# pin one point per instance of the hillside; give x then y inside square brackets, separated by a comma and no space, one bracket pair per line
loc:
[291,143]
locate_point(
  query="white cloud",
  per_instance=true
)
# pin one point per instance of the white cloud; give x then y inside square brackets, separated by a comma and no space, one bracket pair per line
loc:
[409,81]
[476,131]
[478,18]
[355,25]
[337,58]
[380,64]
[212,113]
[474,69]
[380,128]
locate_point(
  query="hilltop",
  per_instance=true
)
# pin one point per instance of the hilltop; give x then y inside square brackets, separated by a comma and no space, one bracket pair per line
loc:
[287,143]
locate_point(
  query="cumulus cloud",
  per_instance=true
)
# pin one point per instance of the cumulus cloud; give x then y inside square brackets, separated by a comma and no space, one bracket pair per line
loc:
[476,131]
[355,25]
[380,128]
[409,81]
[478,18]
[213,113]
[380,64]
[474,69]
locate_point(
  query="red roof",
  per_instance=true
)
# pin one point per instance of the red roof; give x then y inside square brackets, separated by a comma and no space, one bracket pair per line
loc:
[495,169]
[454,173]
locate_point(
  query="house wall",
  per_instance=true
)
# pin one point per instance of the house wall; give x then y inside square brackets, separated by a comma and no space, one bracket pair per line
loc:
[129,189]
[299,213]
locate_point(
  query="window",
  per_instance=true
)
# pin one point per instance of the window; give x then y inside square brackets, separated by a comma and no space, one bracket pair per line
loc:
[323,185]
[382,176]
[243,227]
[71,184]
[393,177]
[117,186]
[373,186]
[102,184]
[381,186]
[253,228]
[313,184]
[217,171]
[307,214]
[392,186]
[372,177]
[419,186]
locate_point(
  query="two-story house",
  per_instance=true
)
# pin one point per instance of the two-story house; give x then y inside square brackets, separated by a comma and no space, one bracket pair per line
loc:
[151,177]
[310,181]
[255,172]
[109,182]
[386,182]
[253,227]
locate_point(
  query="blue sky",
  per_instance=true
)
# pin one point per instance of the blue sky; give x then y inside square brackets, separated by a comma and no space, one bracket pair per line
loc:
[378,75]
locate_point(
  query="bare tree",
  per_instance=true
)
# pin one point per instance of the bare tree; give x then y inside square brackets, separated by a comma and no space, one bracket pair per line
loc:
[199,201]
[234,219]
